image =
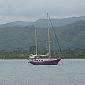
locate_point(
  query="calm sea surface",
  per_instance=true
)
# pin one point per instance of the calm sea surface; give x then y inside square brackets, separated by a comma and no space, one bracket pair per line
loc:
[19,72]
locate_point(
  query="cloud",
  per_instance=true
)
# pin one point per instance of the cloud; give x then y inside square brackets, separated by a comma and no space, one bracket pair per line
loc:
[38,8]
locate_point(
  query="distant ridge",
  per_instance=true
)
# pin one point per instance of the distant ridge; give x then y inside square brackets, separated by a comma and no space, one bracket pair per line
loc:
[58,22]
[21,34]
[72,35]
[40,23]
[16,23]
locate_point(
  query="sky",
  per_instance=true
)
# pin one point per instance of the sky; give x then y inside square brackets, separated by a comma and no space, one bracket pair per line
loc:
[31,10]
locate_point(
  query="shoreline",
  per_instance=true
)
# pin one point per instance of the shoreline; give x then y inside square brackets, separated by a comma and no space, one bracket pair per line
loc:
[27,59]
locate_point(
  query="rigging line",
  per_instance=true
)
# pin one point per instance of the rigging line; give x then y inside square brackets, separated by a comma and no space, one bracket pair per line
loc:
[55,35]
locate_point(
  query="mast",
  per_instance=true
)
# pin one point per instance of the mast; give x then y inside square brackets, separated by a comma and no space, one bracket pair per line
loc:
[36,40]
[49,42]
[60,50]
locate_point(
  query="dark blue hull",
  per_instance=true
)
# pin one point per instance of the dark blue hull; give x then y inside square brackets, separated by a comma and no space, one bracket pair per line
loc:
[45,62]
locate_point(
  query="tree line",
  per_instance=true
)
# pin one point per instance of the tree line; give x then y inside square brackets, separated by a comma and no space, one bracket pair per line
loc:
[69,53]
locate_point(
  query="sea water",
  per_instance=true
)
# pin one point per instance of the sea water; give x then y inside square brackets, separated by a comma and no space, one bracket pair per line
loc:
[20,72]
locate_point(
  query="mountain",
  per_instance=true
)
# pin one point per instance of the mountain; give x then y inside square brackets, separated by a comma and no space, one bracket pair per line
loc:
[21,35]
[73,35]
[57,22]
[43,23]
[16,24]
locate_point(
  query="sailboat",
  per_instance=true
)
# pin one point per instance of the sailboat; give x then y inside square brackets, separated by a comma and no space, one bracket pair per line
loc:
[45,61]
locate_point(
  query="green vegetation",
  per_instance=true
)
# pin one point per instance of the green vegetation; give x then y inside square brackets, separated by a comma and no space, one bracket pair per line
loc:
[24,54]
[70,36]
[21,35]
[16,54]
[74,53]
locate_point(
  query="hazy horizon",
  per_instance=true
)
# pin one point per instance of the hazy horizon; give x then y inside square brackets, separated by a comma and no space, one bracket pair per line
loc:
[34,20]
